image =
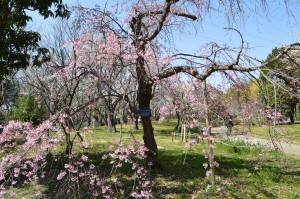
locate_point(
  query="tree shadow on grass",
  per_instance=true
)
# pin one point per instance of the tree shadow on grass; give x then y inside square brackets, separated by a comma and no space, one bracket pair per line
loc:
[184,174]
[103,169]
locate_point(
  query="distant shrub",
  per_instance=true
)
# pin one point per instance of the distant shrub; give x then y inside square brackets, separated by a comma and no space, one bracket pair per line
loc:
[28,109]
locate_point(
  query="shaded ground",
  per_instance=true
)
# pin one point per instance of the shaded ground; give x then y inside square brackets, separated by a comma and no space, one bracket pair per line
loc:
[287,148]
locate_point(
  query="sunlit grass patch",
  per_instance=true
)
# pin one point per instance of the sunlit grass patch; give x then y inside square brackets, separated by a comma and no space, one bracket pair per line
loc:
[248,172]
[290,132]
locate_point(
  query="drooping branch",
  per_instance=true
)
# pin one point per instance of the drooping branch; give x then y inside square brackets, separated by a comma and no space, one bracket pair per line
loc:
[108,15]
[278,85]
[242,42]
[286,78]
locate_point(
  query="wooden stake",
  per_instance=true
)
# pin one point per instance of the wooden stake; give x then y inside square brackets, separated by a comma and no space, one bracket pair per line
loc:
[181,133]
[184,133]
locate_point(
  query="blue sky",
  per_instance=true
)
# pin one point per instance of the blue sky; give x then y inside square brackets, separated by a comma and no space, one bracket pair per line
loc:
[261,32]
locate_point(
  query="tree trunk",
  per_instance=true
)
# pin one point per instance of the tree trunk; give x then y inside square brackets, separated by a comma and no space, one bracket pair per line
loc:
[178,117]
[101,121]
[69,146]
[156,114]
[144,97]
[178,120]
[124,119]
[136,121]
[89,118]
[101,118]
[109,110]
[69,143]
[150,143]
[111,123]
[292,116]
[210,142]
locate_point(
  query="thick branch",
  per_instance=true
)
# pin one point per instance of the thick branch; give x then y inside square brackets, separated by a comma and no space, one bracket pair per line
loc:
[160,23]
[193,72]
[234,66]
[193,17]
[164,14]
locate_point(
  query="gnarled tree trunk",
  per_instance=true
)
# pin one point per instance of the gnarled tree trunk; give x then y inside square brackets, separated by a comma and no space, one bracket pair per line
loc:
[144,97]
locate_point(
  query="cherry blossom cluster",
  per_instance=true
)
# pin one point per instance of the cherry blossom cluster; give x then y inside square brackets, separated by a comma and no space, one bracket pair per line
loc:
[79,175]
[272,114]
[186,99]
[23,152]
[211,141]
[126,155]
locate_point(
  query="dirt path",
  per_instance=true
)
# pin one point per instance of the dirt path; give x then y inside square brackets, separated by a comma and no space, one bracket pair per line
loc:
[285,147]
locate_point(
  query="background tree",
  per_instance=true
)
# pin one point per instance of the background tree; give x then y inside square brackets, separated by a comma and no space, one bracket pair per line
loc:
[285,70]
[285,103]
[20,47]
[242,101]
[285,76]
[62,87]
[29,109]
[9,92]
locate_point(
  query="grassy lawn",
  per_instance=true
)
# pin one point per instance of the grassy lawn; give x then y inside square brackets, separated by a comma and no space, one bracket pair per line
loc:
[183,175]
[298,116]
[289,131]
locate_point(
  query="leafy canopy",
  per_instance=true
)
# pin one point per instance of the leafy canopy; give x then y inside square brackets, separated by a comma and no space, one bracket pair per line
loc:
[19,47]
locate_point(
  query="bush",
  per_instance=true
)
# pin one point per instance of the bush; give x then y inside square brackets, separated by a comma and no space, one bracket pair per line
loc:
[28,109]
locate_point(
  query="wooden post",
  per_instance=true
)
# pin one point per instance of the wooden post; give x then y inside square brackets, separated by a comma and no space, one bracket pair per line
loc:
[181,133]
[173,134]
[184,134]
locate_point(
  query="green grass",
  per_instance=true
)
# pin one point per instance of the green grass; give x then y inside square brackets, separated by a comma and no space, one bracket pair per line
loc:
[183,175]
[298,116]
[27,192]
[289,131]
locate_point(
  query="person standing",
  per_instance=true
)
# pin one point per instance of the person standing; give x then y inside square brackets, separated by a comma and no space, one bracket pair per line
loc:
[229,125]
